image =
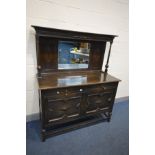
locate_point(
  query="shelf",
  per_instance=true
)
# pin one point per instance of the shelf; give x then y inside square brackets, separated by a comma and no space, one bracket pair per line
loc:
[79,53]
[77,124]
[72,66]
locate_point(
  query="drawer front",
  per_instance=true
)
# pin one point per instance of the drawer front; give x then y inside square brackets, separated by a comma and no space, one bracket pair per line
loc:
[100,98]
[64,92]
[101,88]
[54,93]
[74,91]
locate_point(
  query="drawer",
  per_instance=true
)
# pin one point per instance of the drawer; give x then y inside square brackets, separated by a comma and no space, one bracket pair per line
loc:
[95,89]
[54,93]
[64,92]
[75,91]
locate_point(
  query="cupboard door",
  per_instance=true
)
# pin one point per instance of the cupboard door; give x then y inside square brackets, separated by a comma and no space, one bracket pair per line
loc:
[99,98]
[62,109]
[53,110]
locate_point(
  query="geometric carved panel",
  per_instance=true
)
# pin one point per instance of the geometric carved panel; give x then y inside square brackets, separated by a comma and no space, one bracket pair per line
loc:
[97,102]
[63,108]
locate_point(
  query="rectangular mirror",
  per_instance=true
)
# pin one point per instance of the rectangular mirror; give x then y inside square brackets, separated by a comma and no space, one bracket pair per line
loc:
[73,55]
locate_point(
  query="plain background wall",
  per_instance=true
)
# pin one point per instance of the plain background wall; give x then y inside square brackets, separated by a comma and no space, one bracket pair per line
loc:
[98,16]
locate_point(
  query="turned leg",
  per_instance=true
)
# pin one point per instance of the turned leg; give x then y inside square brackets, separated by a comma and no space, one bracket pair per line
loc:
[108,116]
[108,119]
[43,136]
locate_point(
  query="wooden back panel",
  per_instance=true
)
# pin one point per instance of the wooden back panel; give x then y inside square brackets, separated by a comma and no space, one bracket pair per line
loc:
[47,47]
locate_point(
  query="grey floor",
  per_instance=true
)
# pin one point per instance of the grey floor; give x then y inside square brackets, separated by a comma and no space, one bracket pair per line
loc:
[100,139]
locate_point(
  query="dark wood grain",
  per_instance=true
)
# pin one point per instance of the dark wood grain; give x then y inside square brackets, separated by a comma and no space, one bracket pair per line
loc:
[97,55]
[68,34]
[48,54]
[71,99]
[63,79]
[47,47]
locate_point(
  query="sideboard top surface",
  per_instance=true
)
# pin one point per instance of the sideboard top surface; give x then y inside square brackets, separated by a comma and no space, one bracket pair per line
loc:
[77,78]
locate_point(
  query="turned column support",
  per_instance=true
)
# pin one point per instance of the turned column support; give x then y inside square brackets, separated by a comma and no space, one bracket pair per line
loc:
[107,63]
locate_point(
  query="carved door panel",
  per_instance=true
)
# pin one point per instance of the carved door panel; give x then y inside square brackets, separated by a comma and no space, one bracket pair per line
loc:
[99,98]
[105,100]
[98,102]
[53,112]
[63,109]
